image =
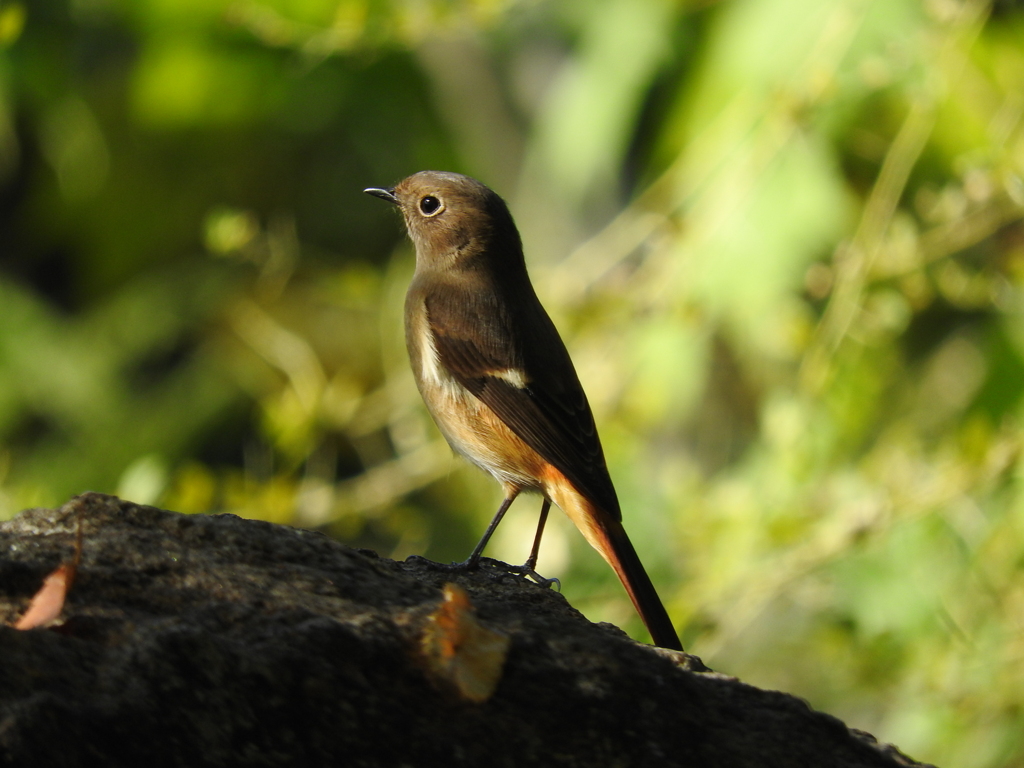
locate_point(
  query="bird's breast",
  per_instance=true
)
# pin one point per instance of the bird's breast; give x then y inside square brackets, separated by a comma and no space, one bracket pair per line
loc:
[467,423]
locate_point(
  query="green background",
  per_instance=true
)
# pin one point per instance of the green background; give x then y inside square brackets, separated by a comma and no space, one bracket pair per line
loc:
[782,238]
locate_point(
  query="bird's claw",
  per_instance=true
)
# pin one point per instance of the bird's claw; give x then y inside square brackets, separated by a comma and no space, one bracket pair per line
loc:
[525,570]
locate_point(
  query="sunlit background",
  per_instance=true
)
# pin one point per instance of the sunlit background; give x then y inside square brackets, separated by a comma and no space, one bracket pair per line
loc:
[782,238]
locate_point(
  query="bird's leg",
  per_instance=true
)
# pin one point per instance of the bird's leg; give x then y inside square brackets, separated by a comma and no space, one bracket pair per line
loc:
[523,570]
[474,558]
[531,561]
[529,567]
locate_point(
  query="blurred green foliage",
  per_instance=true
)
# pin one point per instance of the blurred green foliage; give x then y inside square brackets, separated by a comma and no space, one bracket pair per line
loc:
[783,239]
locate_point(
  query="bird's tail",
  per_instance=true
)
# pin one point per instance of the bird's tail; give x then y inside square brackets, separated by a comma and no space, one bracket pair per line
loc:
[618,551]
[609,538]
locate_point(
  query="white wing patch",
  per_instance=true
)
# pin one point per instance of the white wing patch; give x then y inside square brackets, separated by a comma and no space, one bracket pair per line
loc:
[512,376]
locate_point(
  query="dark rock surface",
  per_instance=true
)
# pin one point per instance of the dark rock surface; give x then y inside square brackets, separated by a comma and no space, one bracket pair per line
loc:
[219,641]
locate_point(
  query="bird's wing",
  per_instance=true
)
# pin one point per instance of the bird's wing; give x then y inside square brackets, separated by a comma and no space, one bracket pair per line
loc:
[526,377]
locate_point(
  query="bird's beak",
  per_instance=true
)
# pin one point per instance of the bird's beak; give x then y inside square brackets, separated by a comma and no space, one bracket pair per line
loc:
[383,194]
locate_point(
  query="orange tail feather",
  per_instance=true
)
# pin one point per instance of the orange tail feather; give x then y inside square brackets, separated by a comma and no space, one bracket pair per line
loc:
[608,537]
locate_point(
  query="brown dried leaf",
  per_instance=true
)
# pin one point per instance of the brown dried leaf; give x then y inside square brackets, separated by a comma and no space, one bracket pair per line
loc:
[460,650]
[48,602]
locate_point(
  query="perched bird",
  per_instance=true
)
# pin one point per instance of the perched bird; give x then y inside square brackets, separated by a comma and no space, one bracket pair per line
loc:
[497,378]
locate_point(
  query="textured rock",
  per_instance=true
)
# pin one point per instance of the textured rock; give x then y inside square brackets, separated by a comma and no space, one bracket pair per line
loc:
[214,640]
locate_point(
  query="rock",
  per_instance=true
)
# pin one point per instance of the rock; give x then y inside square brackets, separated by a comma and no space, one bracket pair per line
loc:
[193,640]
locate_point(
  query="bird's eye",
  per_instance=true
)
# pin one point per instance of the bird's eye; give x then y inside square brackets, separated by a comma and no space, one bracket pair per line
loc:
[430,205]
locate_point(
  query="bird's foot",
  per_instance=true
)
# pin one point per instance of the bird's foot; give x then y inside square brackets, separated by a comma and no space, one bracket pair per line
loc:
[491,566]
[526,570]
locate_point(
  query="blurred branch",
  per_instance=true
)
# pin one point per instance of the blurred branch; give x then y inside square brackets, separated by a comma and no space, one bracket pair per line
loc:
[912,487]
[469,95]
[854,260]
[380,487]
[658,215]
[955,236]
[288,352]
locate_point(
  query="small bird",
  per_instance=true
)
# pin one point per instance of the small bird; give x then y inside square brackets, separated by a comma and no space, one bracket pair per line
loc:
[497,378]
